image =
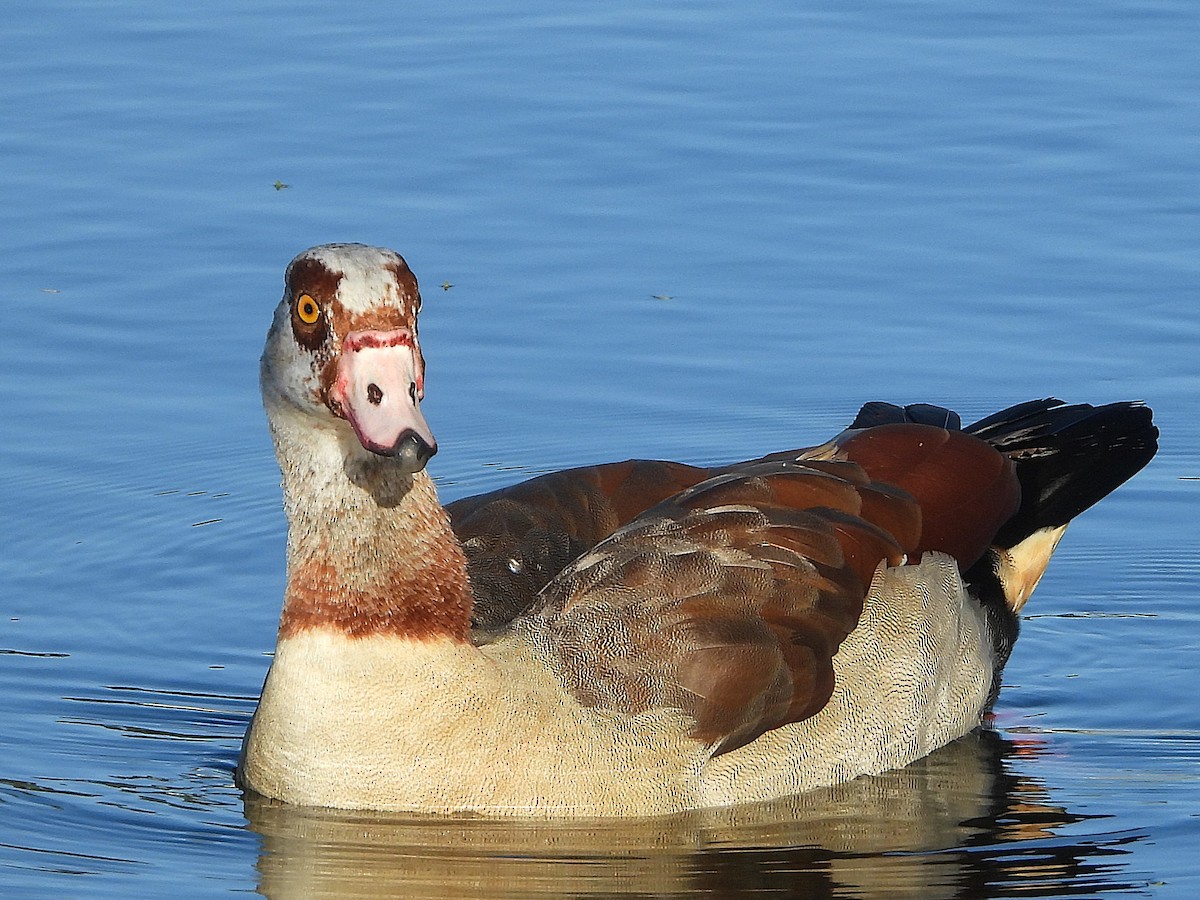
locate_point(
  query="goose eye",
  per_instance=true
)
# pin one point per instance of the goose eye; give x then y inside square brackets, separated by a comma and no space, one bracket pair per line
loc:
[307,309]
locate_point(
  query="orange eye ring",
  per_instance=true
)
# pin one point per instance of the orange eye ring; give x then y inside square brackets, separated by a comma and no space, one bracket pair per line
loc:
[307,309]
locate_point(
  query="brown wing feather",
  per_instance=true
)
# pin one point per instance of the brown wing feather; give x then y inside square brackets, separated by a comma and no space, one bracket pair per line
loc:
[518,538]
[727,601]
[966,489]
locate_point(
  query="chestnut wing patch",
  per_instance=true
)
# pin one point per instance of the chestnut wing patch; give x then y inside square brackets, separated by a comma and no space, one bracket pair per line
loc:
[728,600]
[966,489]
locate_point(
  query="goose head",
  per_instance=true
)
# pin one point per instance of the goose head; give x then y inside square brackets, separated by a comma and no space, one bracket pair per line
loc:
[342,355]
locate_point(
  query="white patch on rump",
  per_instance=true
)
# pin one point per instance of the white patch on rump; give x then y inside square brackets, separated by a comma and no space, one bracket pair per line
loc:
[1021,566]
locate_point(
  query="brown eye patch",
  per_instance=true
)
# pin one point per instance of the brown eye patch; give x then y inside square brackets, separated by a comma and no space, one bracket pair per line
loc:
[311,285]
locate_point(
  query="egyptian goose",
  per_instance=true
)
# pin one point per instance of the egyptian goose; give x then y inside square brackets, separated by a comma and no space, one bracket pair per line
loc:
[642,637]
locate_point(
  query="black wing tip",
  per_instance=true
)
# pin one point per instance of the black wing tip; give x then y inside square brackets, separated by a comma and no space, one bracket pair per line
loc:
[1068,456]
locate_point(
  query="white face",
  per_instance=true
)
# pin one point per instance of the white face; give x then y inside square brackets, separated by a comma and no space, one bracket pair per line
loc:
[343,348]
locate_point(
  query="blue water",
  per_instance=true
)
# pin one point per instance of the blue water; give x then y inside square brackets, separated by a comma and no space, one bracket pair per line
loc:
[686,230]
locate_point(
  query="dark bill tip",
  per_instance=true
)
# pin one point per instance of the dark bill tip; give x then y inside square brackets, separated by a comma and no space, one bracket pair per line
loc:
[412,451]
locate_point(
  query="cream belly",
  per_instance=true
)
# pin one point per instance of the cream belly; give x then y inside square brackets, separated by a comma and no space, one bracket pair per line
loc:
[441,726]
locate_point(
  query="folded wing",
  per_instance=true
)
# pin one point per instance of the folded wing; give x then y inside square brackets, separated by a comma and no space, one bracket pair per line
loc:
[729,600]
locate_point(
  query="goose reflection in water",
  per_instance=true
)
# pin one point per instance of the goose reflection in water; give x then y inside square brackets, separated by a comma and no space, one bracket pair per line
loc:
[963,822]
